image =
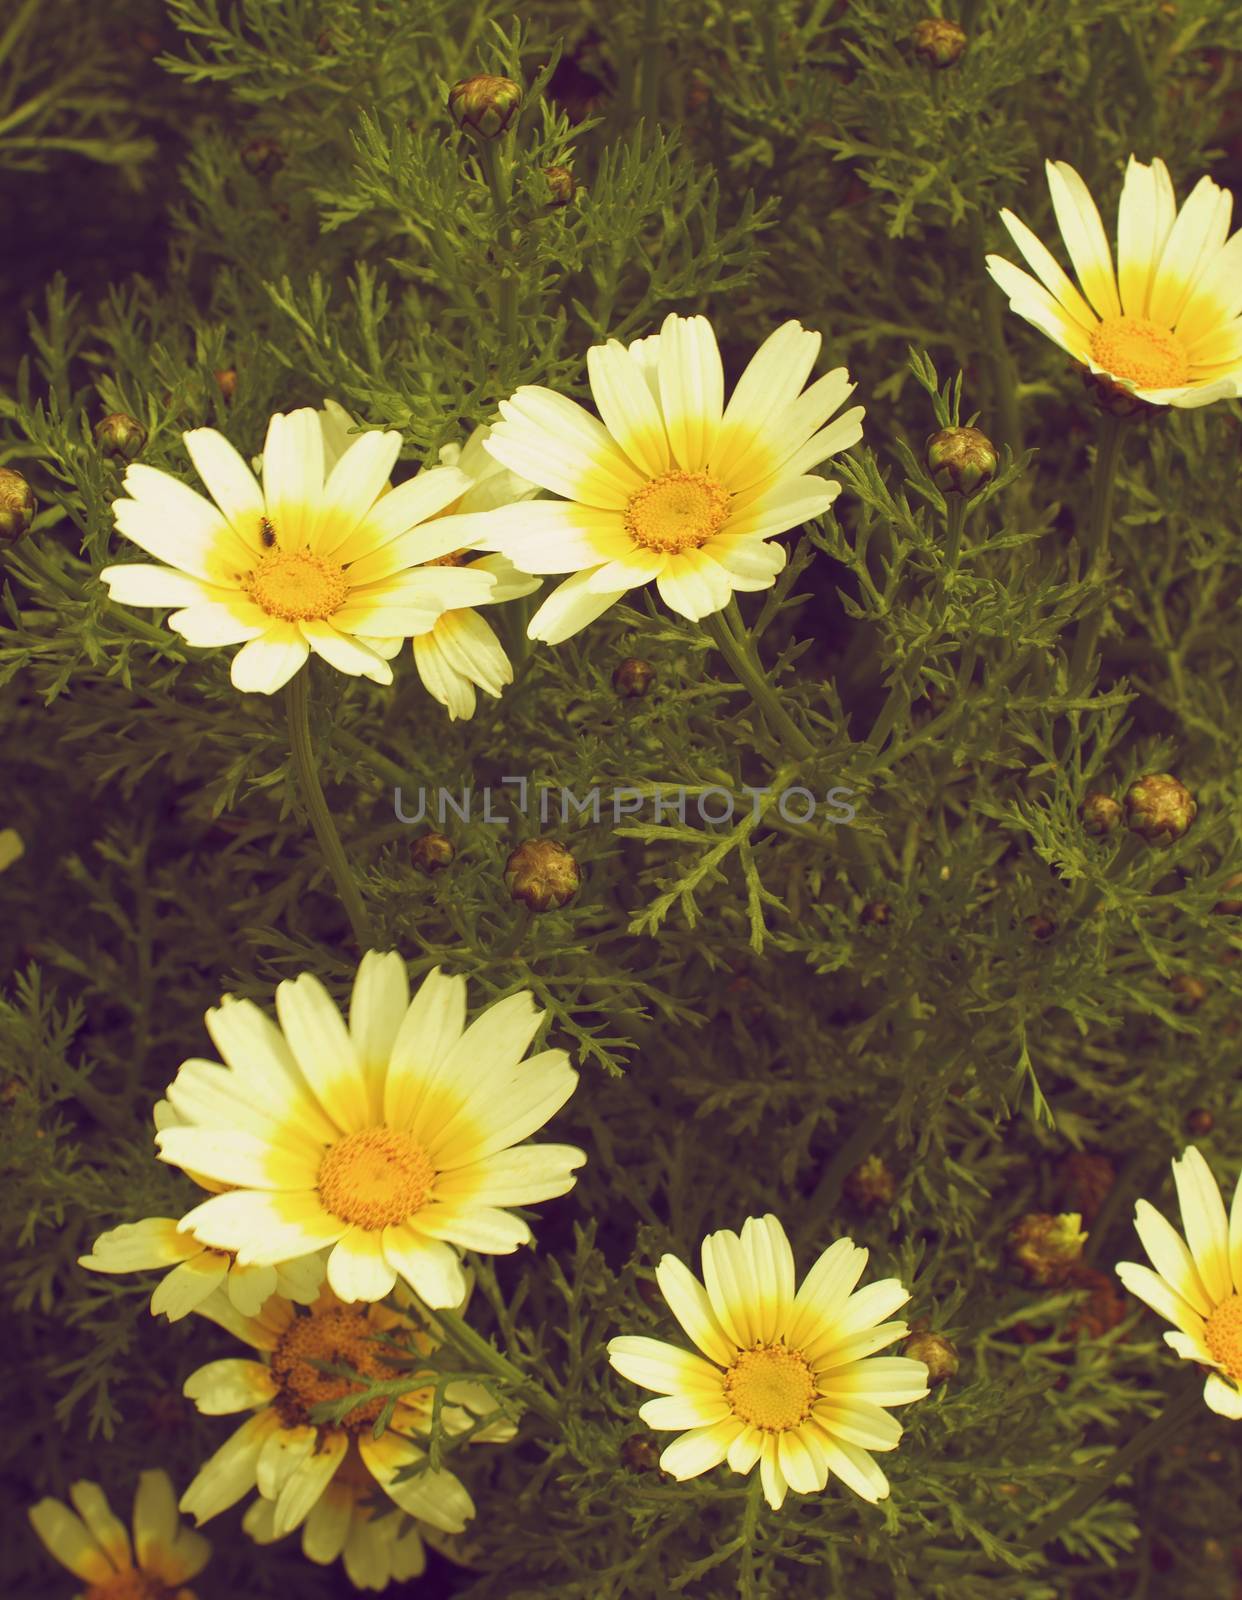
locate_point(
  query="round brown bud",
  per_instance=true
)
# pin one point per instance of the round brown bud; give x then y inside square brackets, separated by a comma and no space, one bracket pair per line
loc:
[120,436]
[432,853]
[640,1453]
[961,460]
[542,875]
[1085,1182]
[1229,906]
[1041,927]
[17,506]
[262,157]
[226,381]
[1103,1308]
[1112,398]
[1100,813]
[936,1353]
[938,42]
[484,105]
[1159,808]
[1200,1122]
[875,914]
[561,183]
[633,677]
[871,1184]
[1190,992]
[1046,1247]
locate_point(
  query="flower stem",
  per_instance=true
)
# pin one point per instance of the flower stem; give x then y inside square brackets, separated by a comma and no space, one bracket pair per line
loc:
[296,704]
[489,1359]
[498,182]
[653,55]
[1099,527]
[953,537]
[736,645]
[1180,1406]
[1004,380]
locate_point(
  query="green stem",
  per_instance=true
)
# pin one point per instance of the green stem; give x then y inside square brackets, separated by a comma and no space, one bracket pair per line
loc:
[750,1522]
[296,704]
[953,537]
[653,57]
[1180,1406]
[1099,527]
[1004,379]
[489,1359]
[738,649]
[496,172]
[768,18]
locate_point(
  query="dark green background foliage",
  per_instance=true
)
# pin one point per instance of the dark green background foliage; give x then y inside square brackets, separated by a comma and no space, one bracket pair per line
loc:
[744,1037]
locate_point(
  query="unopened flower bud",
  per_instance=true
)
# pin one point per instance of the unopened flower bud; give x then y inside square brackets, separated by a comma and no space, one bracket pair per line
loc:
[226,381]
[542,875]
[871,1184]
[1085,1181]
[1047,1246]
[484,105]
[1103,1308]
[936,1354]
[633,677]
[1191,992]
[1040,927]
[120,436]
[262,157]
[432,853]
[875,914]
[1199,1122]
[17,506]
[1100,813]
[640,1453]
[961,460]
[1159,808]
[561,183]
[939,42]
[1229,905]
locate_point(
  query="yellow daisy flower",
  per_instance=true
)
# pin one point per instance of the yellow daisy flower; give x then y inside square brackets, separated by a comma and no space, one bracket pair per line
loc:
[1197,1282]
[197,1269]
[672,486]
[783,1379]
[1166,324]
[461,652]
[304,563]
[95,1546]
[390,1140]
[294,1461]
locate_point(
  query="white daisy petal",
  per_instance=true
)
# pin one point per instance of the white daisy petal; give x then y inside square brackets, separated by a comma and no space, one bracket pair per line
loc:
[266,664]
[1169,1254]
[570,607]
[1084,236]
[351,490]
[139,584]
[1223,1397]
[627,407]
[690,380]
[1049,272]
[230,483]
[293,475]
[1207,1228]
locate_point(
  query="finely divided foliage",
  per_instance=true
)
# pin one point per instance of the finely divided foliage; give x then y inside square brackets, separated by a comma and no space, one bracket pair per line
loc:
[720,1190]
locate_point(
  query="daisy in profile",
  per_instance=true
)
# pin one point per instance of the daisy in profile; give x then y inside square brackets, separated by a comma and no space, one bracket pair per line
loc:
[1197,1281]
[395,1140]
[1165,325]
[304,562]
[783,1378]
[459,653]
[94,1545]
[320,1476]
[197,1270]
[669,485]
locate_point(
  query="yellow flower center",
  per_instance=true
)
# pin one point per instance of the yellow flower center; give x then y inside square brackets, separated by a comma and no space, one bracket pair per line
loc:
[677,511]
[1223,1335]
[375,1178]
[297,586]
[342,1335]
[770,1387]
[130,1585]
[1142,351]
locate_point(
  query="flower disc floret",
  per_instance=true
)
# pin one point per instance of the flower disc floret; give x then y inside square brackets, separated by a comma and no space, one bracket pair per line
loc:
[338,1334]
[1140,350]
[677,511]
[376,1177]
[1222,1334]
[770,1387]
[297,586]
